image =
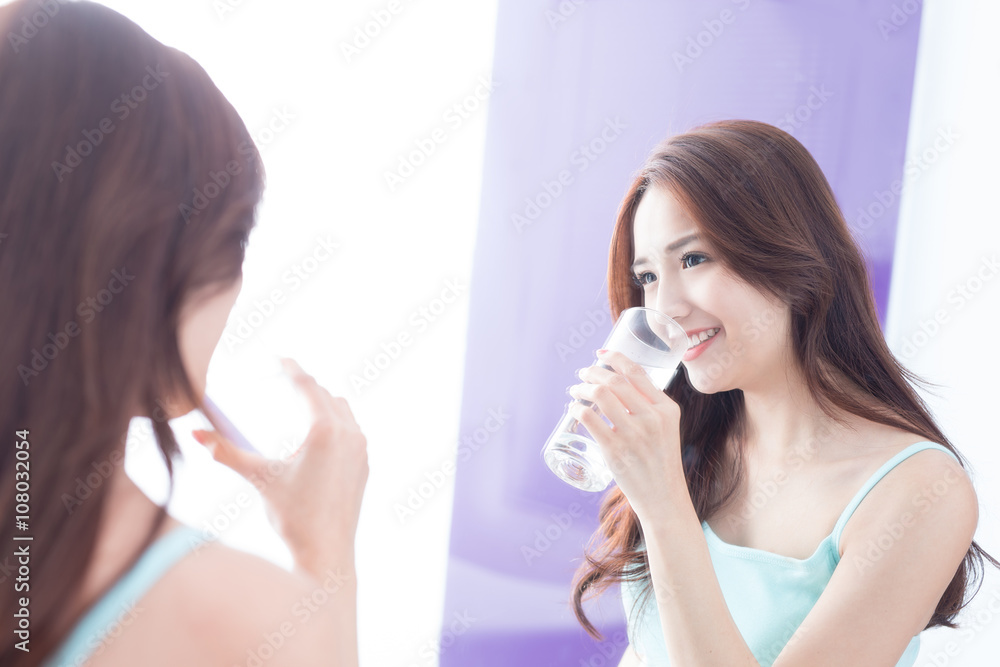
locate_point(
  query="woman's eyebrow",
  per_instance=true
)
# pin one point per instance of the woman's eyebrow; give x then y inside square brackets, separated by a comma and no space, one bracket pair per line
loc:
[679,243]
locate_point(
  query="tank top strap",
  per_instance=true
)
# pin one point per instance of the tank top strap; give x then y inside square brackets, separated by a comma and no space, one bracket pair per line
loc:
[120,600]
[874,479]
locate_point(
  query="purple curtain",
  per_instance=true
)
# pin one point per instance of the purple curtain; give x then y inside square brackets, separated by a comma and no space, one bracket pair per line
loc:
[584,91]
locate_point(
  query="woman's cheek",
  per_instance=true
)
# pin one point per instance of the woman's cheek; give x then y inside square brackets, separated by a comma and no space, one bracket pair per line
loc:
[750,331]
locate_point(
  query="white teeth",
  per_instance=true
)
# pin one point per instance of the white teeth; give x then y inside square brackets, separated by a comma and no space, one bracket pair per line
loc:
[702,337]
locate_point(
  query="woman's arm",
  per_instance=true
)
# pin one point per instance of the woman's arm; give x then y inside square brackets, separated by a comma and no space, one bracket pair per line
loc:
[642,449]
[697,626]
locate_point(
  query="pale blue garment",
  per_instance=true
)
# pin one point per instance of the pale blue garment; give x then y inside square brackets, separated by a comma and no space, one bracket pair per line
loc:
[767,594]
[117,605]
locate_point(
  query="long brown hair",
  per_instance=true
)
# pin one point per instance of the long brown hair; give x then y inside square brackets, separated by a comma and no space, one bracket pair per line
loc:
[761,201]
[127,183]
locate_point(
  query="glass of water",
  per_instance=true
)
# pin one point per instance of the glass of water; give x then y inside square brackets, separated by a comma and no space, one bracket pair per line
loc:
[649,338]
[258,406]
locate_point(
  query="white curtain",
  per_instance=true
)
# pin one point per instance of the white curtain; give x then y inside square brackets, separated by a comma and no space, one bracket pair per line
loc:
[944,306]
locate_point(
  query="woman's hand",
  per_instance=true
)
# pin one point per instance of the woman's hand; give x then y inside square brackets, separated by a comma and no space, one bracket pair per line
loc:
[642,445]
[314,497]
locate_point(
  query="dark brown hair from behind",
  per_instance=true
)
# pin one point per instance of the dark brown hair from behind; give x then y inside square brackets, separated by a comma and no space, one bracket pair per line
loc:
[762,202]
[127,183]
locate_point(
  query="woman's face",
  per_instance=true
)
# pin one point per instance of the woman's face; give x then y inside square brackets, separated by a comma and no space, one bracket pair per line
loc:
[202,321]
[690,284]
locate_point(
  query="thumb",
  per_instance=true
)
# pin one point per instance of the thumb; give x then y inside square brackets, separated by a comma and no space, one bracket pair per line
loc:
[246,464]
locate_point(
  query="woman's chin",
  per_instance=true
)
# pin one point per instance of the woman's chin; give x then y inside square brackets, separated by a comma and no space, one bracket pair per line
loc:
[167,410]
[704,381]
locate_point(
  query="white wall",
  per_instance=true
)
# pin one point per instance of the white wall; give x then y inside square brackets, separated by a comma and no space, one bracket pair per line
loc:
[944,309]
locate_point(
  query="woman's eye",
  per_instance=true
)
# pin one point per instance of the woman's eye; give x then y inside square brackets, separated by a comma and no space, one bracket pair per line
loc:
[643,279]
[692,255]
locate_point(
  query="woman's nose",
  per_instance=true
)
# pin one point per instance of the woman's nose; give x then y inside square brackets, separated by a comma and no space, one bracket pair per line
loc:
[671,303]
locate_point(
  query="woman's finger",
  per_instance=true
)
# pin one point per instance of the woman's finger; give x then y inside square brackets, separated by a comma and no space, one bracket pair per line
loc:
[630,397]
[315,395]
[322,403]
[592,421]
[244,463]
[342,408]
[635,374]
[604,398]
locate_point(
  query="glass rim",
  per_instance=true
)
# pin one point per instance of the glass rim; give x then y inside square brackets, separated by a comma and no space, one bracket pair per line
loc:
[672,322]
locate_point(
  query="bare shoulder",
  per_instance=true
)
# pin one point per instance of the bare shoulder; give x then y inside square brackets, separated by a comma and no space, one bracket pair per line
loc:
[929,492]
[248,605]
[219,605]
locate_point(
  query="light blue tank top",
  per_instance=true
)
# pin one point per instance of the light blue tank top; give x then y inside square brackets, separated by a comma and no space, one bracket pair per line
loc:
[109,615]
[767,594]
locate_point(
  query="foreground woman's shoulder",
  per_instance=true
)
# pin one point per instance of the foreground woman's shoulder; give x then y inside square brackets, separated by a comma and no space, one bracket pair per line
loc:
[269,608]
[219,605]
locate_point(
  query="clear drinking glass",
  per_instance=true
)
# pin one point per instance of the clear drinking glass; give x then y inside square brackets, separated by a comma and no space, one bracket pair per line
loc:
[649,338]
[259,406]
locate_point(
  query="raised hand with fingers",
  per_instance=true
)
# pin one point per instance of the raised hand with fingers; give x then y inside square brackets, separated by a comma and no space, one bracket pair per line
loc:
[642,442]
[313,498]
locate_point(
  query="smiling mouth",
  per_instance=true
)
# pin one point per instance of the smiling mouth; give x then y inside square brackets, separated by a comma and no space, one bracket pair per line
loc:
[700,343]
[694,341]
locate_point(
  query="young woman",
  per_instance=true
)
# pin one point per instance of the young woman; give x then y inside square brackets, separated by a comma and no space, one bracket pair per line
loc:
[128,191]
[788,500]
